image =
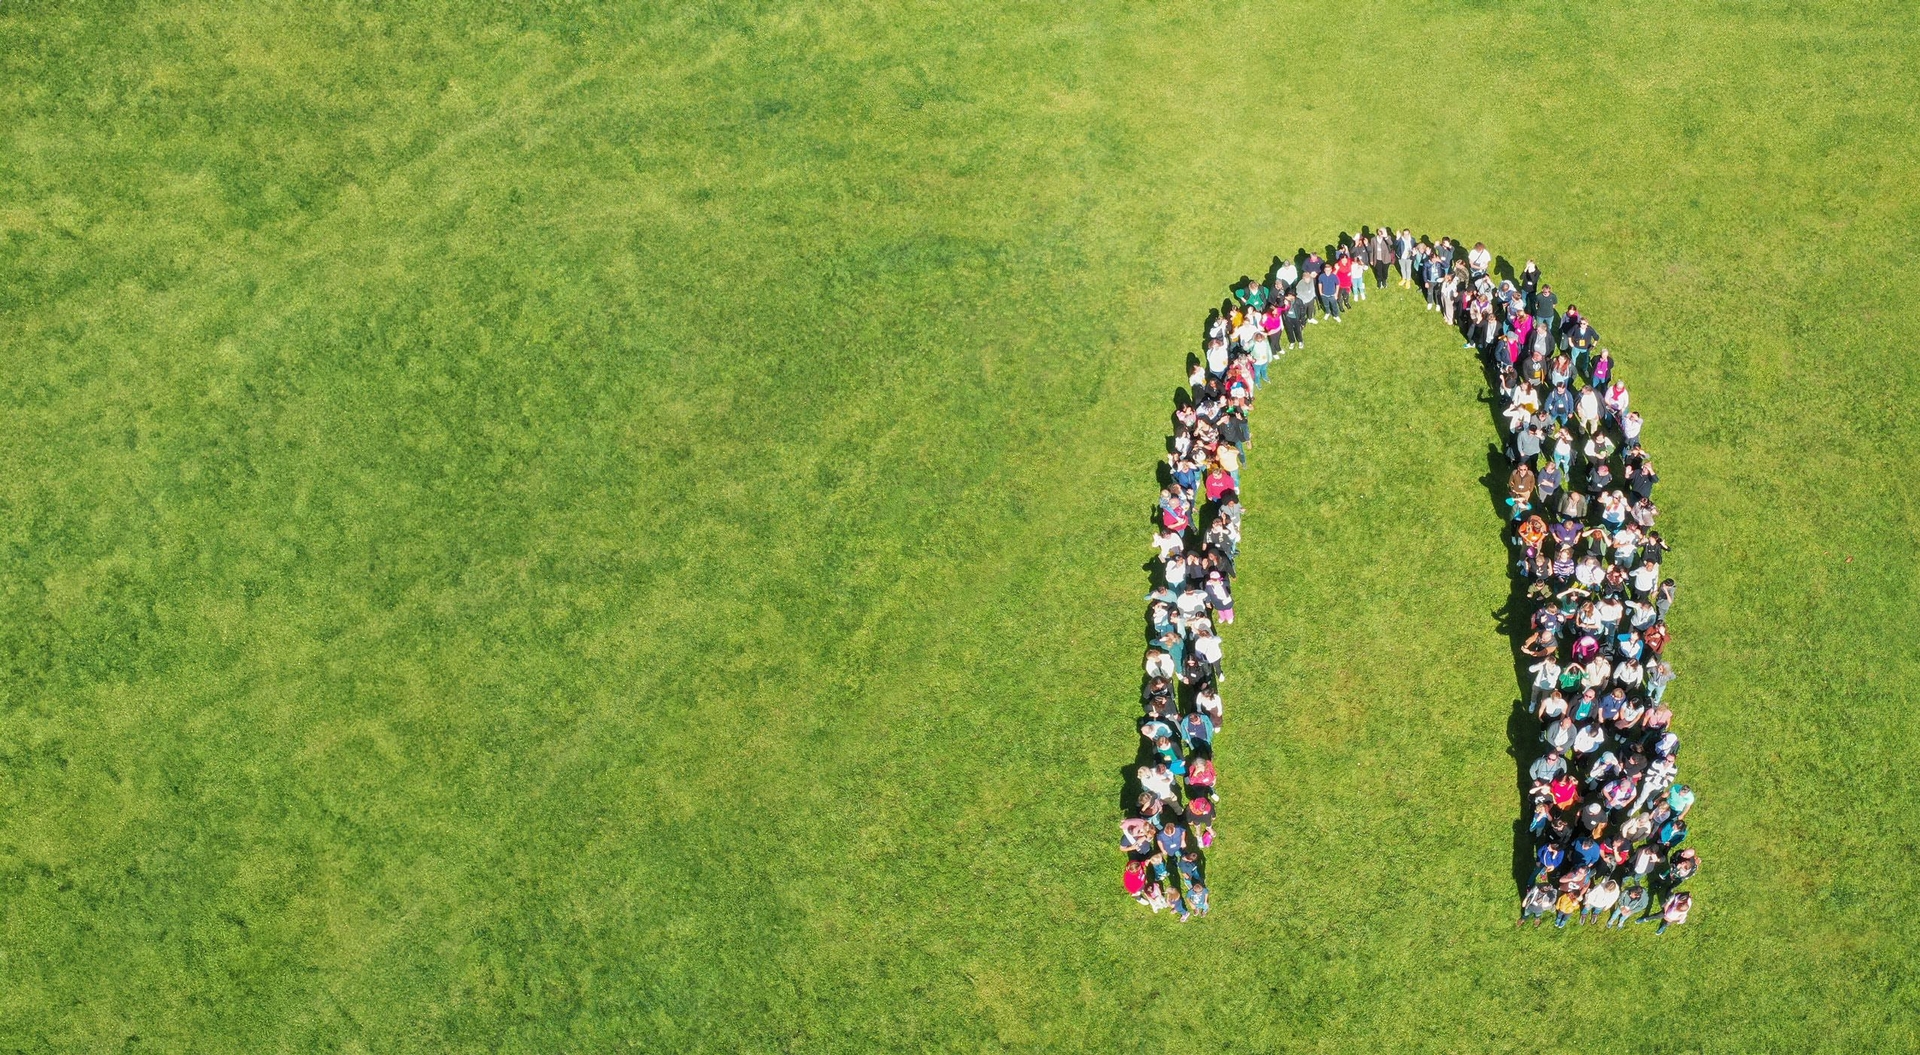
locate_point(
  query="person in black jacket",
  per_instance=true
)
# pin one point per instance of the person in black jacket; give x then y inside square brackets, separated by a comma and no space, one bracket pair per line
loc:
[1293,316]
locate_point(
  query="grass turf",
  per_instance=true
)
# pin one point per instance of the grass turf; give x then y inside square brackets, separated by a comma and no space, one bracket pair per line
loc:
[593,528]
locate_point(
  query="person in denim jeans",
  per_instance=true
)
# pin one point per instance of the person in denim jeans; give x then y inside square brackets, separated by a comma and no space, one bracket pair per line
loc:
[1675,912]
[1633,899]
[1536,905]
[1329,288]
[1600,897]
[1658,675]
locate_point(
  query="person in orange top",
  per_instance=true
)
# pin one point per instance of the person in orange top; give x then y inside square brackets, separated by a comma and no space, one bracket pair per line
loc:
[1533,532]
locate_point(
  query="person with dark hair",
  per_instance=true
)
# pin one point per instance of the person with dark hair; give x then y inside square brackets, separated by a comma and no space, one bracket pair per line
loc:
[1605,815]
[1544,315]
[1675,912]
[1383,254]
[1535,906]
[1633,899]
[1293,318]
[1328,284]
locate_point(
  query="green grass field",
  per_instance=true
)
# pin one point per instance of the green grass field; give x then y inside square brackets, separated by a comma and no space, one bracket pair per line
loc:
[564,528]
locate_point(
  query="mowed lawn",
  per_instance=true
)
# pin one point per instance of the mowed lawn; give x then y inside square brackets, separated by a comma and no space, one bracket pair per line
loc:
[560,527]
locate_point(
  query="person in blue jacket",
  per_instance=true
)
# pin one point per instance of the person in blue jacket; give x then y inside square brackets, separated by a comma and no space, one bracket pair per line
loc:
[1328,285]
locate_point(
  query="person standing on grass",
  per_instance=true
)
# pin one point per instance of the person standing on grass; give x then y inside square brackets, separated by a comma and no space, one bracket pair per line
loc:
[1285,274]
[1663,597]
[1546,676]
[1196,732]
[1197,900]
[1207,701]
[1520,484]
[1219,597]
[1681,868]
[1200,815]
[1536,905]
[1580,339]
[1565,907]
[1207,646]
[1156,781]
[1435,272]
[1544,303]
[1680,800]
[1479,260]
[1600,897]
[1172,841]
[1293,319]
[1659,675]
[1633,900]
[1271,325]
[1189,864]
[1328,284]
[1675,912]
[1201,779]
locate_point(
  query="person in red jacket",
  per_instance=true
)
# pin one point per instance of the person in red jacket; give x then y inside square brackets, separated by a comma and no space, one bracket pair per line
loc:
[1135,880]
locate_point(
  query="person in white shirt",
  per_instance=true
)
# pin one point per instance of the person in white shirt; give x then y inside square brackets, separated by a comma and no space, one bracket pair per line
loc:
[1600,897]
[1660,774]
[1640,614]
[1587,739]
[1216,358]
[1176,570]
[1599,670]
[1587,408]
[1156,781]
[1610,610]
[1546,674]
[1479,258]
[1559,735]
[1169,543]
[1628,673]
[1208,702]
[1159,664]
[1207,647]
[1626,542]
[1191,603]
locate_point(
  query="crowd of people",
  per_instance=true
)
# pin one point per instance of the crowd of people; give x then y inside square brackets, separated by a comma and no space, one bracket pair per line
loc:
[1605,813]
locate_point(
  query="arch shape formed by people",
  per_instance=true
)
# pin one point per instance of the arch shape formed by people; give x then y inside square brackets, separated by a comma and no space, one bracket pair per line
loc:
[1602,814]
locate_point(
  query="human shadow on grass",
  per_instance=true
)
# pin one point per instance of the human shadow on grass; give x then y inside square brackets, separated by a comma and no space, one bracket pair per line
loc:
[1168,700]
[1514,620]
